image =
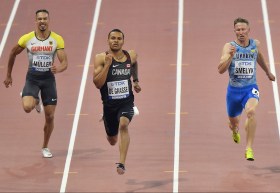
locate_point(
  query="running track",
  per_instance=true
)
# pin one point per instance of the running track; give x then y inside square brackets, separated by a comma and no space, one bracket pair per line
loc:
[208,159]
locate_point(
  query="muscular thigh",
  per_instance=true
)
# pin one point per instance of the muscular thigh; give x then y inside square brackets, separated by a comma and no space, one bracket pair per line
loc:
[112,116]
[48,91]
[31,88]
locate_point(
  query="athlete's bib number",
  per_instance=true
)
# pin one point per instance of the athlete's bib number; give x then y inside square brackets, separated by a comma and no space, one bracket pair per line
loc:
[118,89]
[244,69]
[42,62]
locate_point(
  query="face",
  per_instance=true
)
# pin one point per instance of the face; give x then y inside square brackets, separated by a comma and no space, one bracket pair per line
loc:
[116,41]
[242,31]
[42,21]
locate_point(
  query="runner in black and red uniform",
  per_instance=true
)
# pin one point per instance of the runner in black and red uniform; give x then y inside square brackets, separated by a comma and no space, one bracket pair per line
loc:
[112,75]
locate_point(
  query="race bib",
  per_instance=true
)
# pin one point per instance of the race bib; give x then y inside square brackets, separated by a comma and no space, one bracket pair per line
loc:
[42,62]
[118,89]
[244,69]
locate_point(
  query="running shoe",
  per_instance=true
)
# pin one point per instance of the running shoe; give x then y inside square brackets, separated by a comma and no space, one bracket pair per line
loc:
[120,168]
[249,154]
[236,137]
[46,153]
[39,107]
[135,111]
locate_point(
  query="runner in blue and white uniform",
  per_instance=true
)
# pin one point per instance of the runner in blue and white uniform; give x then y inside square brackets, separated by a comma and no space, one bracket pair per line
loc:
[240,58]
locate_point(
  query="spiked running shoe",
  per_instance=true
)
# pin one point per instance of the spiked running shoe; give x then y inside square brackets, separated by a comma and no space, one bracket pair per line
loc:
[236,137]
[249,154]
[120,168]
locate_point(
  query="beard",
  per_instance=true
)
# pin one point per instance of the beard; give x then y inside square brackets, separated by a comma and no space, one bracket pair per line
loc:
[115,49]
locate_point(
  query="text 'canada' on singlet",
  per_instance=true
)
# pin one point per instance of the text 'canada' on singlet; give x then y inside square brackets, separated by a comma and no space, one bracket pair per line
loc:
[118,88]
[242,70]
[41,53]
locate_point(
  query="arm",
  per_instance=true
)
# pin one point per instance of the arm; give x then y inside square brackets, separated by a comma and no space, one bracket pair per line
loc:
[12,57]
[261,62]
[62,57]
[102,63]
[134,71]
[227,55]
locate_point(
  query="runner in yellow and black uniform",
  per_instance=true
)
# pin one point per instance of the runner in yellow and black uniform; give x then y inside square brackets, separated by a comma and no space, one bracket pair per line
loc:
[42,46]
[41,54]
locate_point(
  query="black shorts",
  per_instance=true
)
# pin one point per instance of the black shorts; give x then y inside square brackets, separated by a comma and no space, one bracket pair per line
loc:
[112,115]
[45,84]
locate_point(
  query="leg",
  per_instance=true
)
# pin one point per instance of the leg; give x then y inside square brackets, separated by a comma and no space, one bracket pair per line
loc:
[250,124]
[234,126]
[28,103]
[112,139]
[234,123]
[49,123]
[124,141]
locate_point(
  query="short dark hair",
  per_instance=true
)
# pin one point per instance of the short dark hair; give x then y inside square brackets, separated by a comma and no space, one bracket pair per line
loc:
[240,20]
[115,30]
[42,10]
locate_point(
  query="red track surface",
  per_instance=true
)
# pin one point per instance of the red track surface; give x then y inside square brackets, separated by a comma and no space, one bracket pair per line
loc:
[209,161]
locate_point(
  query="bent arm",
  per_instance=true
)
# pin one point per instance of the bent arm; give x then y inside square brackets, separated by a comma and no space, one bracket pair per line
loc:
[134,67]
[261,62]
[134,71]
[101,70]
[12,57]
[227,55]
[62,57]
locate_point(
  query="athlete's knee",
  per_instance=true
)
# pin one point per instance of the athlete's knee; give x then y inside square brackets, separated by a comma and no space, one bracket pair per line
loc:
[123,126]
[27,108]
[49,117]
[112,140]
[233,125]
[251,113]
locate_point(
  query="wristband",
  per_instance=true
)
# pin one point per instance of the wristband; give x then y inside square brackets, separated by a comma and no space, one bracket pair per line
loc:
[136,80]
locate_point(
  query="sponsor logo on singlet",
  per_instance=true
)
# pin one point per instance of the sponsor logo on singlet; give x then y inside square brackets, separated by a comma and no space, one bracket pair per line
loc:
[118,89]
[244,69]
[41,63]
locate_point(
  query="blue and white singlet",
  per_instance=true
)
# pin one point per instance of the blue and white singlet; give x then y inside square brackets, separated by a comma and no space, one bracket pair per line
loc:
[242,70]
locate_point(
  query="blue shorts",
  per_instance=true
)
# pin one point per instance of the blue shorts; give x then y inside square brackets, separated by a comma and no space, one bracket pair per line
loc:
[237,98]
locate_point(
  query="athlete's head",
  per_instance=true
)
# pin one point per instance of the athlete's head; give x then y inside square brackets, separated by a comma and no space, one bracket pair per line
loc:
[115,39]
[42,19]
[241,29]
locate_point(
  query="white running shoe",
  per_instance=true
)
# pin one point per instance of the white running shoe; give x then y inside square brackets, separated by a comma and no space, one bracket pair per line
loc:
[136,111]
[46,153]
[39,107]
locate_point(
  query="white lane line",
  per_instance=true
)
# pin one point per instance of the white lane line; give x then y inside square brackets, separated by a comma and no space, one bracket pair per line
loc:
[80,98]
[271,61]
[8,27]
[178,97]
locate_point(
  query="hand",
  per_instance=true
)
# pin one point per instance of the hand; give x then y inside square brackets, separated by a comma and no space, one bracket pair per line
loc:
[136,87]
[108,59]
[232,50]
[8,82]
[271,76]
[54,69]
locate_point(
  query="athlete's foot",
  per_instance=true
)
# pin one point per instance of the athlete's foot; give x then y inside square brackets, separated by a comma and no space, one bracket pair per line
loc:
[120,168]
[249,154]
[236,136]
